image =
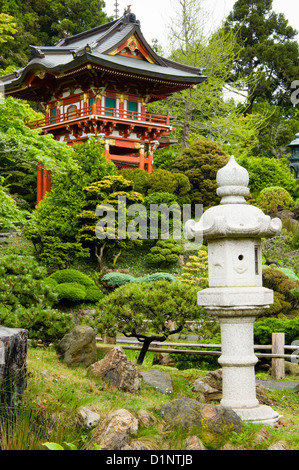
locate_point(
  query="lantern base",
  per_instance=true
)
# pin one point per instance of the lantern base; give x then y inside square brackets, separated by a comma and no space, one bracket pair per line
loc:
[262,414]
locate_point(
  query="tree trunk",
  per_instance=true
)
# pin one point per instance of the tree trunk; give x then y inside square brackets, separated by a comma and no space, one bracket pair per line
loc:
[186,124]
[13,367]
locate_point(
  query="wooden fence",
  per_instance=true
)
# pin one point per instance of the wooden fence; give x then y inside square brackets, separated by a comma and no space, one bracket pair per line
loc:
[277,348]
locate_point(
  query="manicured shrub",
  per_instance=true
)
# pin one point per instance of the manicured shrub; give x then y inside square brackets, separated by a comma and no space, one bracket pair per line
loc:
[200,163]
[275,198]
[264,328]
[27,298]
[73,286]
[148,310]
[285,302]
[93,294]
[23,283]
[71,292]
[265,172]
[195,271]
[72,275]
[115,279]
[46,325]
[159,277]
[166,252]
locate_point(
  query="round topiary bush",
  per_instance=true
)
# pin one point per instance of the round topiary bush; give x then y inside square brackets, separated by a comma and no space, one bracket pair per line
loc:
[71,292]
[72,275]
[275,198]
[165,252]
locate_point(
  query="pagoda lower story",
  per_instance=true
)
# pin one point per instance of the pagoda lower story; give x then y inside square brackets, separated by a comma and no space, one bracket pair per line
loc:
[129,134]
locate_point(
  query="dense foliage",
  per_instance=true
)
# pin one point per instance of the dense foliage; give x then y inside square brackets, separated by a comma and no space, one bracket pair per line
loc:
[148,311]
[27,299]
[200,163]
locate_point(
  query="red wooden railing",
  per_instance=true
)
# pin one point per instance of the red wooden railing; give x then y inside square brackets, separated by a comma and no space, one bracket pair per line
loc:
[101,112]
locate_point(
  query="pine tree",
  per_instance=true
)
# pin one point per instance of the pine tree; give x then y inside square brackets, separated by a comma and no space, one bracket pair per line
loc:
[270,50]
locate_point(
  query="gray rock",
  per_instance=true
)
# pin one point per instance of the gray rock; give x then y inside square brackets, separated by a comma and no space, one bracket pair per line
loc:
[88,417]
[291,368]
[116,369]
[201,386]
[213,420]
[116,430]
[158,380]
[78,347]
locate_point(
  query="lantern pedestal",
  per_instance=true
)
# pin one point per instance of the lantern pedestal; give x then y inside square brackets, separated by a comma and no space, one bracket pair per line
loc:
[238,365]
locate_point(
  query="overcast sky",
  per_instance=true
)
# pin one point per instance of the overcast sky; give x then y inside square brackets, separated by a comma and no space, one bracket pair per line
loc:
[155,15]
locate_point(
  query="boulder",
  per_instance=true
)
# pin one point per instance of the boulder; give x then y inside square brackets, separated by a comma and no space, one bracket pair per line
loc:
[115,432]
[116,369]
[78,347]
[159,380]
[291,368]
[214,421]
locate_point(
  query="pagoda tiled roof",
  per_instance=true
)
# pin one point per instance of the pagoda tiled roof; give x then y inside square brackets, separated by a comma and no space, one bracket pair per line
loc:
[96,45]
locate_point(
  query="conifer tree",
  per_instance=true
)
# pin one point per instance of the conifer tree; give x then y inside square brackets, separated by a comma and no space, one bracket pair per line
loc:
[269,49]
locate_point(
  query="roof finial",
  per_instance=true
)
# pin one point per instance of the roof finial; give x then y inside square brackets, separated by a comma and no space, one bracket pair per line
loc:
[116,10]
[127,10]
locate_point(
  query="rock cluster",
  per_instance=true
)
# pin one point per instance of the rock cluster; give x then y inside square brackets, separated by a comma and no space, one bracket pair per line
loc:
[118,430]
[118,371]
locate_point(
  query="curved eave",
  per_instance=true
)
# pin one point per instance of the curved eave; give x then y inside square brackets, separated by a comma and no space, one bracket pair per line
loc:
[112,65]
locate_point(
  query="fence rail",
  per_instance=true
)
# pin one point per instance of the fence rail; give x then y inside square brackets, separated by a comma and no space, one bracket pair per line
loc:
[276,348]
[101,112]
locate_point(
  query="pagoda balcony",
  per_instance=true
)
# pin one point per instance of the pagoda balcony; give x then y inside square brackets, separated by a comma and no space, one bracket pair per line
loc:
[108,115]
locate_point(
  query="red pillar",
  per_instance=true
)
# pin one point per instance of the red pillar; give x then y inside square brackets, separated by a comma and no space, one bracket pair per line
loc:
[141,158]
[39,184]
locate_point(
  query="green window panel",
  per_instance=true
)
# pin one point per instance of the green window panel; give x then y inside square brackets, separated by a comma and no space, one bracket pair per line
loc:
[52,115]
[132,109]
[110,103]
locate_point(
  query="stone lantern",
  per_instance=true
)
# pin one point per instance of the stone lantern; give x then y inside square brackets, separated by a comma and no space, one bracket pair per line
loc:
[294,158]
[235,294]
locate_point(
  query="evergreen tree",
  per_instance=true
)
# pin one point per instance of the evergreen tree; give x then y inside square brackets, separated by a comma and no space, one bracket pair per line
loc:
[44,22]
[269,49]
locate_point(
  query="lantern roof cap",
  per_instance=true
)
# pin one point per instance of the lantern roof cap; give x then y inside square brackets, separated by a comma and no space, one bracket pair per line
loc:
[295,141]
[233,218]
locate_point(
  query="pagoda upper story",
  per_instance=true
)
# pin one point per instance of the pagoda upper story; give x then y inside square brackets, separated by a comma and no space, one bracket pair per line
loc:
[100,82]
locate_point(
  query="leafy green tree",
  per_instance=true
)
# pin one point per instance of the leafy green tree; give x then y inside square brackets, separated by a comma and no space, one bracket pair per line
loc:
[210,111]
[112,196]
[44,22]
[265,172]
[160,181]
[54,226]
[27,300]
[7,28]
[10,215]
[22,149]
[269,49]
[279,130]
[147,311]
[200,163]
[275,198]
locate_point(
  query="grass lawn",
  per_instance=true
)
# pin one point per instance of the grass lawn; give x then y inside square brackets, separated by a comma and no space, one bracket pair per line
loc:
[55,393]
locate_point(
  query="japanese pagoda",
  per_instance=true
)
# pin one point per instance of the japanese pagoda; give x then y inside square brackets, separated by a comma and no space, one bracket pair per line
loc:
[99,82]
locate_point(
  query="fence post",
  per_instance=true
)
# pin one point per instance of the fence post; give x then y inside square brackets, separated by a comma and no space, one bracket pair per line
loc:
[278,343]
